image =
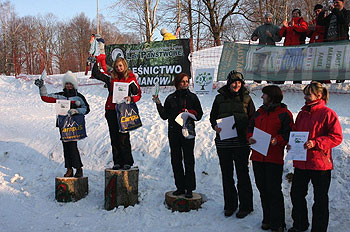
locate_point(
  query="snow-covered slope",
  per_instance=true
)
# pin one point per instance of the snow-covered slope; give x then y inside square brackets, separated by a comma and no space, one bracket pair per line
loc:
[31,157]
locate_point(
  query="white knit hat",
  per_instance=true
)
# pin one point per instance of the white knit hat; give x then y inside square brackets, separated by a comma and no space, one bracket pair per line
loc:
[163,31]
[69,78]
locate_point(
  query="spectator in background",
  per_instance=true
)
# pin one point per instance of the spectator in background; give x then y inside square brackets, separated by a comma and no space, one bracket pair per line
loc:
[97,49]
[268,33]
[167,35]
[336,23]
[316,32]
[294,31]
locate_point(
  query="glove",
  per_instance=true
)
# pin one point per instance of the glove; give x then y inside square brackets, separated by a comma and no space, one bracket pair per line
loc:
[156,100]
[39,83]
[72,112]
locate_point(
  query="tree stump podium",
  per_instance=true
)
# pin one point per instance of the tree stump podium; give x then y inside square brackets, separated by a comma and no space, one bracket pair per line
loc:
[183,204]
[121,187]
[70,188]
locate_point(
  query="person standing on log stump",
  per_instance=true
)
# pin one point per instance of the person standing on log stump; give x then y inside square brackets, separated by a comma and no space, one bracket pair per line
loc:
[79,105]
[121,147]
[234,100]
[181,140]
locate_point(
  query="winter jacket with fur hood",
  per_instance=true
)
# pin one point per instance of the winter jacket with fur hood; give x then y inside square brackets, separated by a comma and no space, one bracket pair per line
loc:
[324,130]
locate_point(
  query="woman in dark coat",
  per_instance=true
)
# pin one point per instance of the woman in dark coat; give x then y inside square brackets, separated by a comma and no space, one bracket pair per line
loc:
[181,148]
[234,100]
[274,118]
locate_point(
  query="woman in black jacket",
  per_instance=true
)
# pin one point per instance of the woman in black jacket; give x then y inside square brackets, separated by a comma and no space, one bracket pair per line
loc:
[180,147]
[234,100]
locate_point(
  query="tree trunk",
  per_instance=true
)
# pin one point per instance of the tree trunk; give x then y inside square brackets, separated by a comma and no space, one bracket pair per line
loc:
[182,204]
[70,188]
[121,187]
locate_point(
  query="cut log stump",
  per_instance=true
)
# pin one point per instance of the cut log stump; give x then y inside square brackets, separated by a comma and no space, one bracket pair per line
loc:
[121,187]
[183,204]
[70,188]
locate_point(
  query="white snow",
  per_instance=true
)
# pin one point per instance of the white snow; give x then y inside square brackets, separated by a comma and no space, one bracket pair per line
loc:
[31,157]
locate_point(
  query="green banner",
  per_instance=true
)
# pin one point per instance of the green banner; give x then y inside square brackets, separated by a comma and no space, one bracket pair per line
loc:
[321,61]
[155,62]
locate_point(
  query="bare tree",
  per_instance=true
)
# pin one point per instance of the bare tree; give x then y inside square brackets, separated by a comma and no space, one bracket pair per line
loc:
[144,17]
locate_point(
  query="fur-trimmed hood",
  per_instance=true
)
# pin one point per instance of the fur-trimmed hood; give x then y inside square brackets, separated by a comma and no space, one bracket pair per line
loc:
[70,78]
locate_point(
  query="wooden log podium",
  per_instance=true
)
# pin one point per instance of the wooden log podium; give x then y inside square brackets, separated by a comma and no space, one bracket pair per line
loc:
[121,187]
[70,188]
[183,204]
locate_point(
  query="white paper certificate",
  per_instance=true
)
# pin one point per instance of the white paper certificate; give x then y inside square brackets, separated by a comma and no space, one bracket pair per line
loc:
[182,118]
[262,141]
[297,139]
[120,91]
[226,127]
[62,107]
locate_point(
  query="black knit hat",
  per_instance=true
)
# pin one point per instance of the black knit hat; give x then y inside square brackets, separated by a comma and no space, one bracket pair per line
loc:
[318,6]
[234,76]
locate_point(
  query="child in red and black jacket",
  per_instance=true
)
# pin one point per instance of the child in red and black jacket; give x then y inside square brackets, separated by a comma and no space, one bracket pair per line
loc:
[121,147]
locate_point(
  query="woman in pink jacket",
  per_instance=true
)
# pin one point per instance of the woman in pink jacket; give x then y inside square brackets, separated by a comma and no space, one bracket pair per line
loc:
[325,133]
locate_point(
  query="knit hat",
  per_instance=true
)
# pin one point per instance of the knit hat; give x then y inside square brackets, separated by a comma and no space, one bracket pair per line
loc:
[163,31]
[69,78]
[318,6]
[234,76]
[268,15]
[97,36]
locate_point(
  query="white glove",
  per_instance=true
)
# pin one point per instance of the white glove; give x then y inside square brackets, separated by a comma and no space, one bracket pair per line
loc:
[72,112]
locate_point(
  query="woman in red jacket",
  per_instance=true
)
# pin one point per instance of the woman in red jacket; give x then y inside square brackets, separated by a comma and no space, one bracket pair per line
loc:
[325,133]
[121,147]
[274,118]
[295,30]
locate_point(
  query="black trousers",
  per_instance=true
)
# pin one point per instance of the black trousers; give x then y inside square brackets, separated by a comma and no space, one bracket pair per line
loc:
[182,149]
[71,155]
[121,147]
[239,156]
[320,212]
[268,180]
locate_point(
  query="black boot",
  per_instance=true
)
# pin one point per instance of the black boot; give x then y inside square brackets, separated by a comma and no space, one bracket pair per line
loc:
[189,194]
[178,192]
[69,172]
[79,173]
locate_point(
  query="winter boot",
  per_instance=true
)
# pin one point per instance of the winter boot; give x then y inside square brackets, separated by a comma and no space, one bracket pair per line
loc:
[116,167]
[69,172]
[178,192]
[79,173]
[126,166]
[189,194]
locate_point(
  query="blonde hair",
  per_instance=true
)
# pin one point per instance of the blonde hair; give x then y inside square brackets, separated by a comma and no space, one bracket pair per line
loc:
[125,73]
[315,88]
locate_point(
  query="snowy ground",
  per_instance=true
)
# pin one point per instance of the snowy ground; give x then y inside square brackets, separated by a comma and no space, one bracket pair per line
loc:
[31,157]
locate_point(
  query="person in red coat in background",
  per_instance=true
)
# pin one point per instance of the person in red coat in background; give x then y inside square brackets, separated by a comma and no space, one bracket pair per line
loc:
[294,31]
[274,118]
[316,32]
[121,147]
[325,133]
